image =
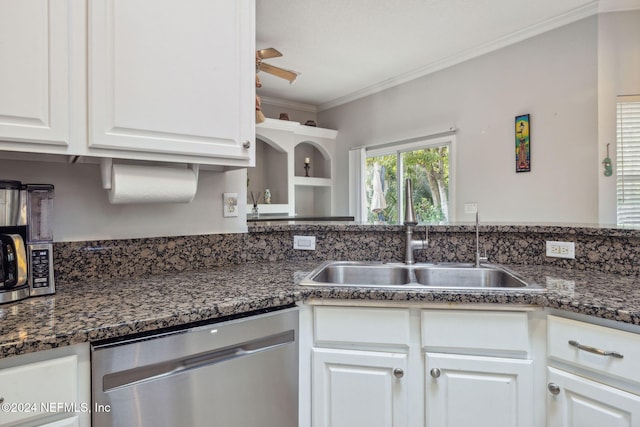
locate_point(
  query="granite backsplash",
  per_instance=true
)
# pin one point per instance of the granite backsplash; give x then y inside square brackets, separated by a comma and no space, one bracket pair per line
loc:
[600,249]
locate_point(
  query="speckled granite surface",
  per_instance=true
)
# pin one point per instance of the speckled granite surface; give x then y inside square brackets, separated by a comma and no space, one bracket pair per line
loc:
[114,288]
[600,249]
[86,311]
[597,248]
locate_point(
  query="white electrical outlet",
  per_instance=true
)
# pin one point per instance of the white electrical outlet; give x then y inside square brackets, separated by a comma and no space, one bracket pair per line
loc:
[561,250]
[470,208]
[229,204]
[305,243]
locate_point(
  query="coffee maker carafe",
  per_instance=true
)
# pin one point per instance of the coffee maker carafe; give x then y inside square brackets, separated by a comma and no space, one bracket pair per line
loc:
[26,240]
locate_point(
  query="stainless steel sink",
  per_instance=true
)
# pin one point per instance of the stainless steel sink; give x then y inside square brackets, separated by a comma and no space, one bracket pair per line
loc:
[343,273]
[418,276]
[468,277]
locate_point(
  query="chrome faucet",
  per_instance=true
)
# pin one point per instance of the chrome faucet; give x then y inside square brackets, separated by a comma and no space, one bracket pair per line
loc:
[409,224]
[479,259]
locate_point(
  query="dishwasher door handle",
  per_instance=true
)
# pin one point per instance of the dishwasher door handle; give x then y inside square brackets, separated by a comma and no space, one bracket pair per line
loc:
[154,371]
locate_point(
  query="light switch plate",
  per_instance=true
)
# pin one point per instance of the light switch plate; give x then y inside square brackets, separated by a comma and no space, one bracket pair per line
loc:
[229,204]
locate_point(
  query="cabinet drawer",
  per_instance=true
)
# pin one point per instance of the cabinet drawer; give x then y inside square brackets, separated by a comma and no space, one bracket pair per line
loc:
[626,344]
[50,382]
[484,331]
[361,325]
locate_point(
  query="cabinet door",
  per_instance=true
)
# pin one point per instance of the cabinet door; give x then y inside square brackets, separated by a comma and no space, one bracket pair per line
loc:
[67,422]
[172,76]
[38,385]
[34,76]
[359,388]
[479,391]
[584,403]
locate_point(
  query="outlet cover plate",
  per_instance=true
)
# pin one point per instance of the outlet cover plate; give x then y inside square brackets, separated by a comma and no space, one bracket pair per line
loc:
[470,208]
[561,250]
[229,204]
[305,243]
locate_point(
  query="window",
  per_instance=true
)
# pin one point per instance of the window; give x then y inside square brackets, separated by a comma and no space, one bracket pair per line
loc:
[628,160]
[427,161]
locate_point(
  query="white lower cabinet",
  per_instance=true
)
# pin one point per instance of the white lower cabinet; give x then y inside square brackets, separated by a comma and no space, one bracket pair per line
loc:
[359,388]
[579,402]
[593,379]
[480,368]
[359,372]
[468,365]
[479,391]
[67,422]
[412,367]
[48,388]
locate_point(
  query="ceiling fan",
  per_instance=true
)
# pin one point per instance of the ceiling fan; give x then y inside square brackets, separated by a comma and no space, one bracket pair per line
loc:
[271,69]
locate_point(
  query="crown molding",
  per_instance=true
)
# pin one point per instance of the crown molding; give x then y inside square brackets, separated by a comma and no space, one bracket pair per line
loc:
[577,14]
[283,103]
[605,6]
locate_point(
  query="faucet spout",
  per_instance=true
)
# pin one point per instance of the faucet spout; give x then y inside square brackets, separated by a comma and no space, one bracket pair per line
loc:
[409,212]
[410,222]
[479,259]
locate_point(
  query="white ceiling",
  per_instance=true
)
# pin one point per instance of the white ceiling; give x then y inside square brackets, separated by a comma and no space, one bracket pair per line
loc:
[346,49]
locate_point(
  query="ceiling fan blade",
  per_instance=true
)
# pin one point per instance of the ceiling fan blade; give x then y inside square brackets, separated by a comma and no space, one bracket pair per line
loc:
[268,53]
[278,72]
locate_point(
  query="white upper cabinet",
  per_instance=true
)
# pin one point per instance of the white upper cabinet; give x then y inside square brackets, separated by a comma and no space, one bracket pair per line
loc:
[172,76]
[34,75]
[165,80]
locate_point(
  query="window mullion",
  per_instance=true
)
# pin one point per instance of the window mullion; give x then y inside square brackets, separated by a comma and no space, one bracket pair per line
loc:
[400,186]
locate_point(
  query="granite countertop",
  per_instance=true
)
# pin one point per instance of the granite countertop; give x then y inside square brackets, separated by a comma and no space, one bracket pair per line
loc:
[602,230]
[81,312]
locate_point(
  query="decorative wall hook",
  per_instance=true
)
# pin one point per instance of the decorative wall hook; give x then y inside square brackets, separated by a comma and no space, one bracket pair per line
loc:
[608,168]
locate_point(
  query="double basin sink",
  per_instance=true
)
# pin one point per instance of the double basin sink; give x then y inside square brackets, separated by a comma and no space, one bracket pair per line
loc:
[422,276]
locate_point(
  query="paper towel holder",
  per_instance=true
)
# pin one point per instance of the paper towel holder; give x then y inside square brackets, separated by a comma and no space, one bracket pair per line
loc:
[106,171]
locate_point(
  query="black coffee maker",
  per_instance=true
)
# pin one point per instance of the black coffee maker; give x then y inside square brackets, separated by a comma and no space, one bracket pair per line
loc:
[26,240]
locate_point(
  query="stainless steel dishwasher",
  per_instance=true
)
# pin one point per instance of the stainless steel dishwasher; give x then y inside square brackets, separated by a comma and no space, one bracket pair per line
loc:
[236,373]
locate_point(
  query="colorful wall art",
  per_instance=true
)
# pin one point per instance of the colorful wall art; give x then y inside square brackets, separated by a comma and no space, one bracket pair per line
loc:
[523,144]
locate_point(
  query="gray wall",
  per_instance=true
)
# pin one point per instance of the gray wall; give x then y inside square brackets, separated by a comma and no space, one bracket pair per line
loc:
[552,76]
[83,212]
[618,74]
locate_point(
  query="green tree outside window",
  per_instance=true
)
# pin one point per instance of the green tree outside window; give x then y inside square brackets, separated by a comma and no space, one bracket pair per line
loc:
[429,170]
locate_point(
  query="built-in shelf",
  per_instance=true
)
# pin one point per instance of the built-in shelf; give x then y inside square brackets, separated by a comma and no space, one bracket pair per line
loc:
[320,160]
[270,208]
[293,219]
[312,182]
[284,146]
[316,132]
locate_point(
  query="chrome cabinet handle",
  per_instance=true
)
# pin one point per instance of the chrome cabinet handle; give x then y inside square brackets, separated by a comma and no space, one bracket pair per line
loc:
[553,388]
[594,350]
[246,144]
[398,373]
[435,372]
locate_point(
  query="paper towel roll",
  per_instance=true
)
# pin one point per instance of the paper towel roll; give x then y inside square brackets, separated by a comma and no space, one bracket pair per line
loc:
[151,184]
